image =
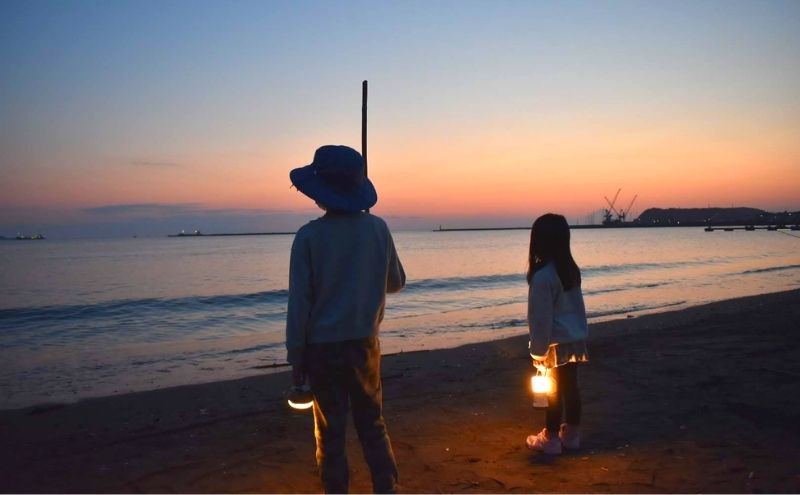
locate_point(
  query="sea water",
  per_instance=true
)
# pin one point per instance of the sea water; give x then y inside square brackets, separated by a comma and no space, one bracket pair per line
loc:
[86,318]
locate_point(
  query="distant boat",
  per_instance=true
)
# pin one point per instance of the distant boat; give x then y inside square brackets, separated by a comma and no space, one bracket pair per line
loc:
[34,237]
[184,234]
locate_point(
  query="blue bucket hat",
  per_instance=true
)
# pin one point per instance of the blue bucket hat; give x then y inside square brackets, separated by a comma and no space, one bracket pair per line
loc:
[335,179]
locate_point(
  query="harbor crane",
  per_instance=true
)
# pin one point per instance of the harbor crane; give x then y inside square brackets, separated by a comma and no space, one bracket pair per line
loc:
[607,212]
[621,213]
[624,213]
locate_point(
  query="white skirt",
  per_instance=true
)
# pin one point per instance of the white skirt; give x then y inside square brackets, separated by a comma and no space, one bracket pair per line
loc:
[569,352]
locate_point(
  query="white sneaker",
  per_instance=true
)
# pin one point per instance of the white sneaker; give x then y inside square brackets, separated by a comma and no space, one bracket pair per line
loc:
[570,436]
[544,442]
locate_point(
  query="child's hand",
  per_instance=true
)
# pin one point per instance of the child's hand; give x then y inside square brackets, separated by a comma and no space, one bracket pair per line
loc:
[298,376]
[539,365]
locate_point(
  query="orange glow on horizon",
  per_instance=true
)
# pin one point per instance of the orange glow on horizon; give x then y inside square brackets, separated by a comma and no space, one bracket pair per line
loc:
[471,172]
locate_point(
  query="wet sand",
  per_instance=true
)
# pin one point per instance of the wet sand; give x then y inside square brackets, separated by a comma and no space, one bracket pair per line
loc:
[705,399]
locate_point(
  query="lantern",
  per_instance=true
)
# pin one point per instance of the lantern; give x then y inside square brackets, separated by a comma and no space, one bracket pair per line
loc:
[542,385]
[300,397]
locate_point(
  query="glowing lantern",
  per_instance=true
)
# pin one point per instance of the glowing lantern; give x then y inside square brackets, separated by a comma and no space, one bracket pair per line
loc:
[300,397]
[542,385]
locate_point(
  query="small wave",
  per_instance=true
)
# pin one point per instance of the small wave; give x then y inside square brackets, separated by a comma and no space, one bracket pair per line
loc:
[592,292]
[509,323]
[246,350]
[136,306]
[461,283]
[204,355]
[522,322]
[631,309]
[415,309]
[487,281]
[770,269]
[632,267]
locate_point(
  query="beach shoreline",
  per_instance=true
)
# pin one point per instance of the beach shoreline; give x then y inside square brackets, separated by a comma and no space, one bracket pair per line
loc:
[698,399]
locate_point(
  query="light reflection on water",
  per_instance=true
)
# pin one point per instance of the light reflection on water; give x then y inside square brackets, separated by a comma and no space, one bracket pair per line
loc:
[85,318]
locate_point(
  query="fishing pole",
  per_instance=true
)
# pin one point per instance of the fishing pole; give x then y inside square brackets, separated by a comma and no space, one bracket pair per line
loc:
[364,126]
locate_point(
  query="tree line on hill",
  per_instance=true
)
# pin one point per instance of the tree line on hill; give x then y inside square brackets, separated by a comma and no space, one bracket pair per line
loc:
[716,216]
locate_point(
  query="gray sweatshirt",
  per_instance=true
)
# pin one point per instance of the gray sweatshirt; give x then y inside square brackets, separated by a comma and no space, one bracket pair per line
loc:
[555,316]
[342,265]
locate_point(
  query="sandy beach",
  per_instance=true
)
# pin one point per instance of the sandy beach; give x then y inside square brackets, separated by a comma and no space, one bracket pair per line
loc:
[697,400]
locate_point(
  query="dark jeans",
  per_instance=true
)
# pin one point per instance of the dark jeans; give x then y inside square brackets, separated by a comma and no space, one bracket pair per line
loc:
[342,372]
[566,401]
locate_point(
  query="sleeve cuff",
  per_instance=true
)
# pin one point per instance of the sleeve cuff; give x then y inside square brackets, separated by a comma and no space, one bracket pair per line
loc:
[538,357]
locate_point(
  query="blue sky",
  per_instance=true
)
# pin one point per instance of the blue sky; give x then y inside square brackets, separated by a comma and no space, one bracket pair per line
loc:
[128,103]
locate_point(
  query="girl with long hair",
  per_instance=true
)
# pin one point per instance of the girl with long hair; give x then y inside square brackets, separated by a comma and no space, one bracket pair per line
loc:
[558,330]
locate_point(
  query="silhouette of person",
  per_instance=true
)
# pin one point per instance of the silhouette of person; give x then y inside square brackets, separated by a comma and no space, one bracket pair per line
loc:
[558,330]
[342,265]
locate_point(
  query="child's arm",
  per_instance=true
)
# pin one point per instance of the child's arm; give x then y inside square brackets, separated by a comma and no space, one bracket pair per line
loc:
[540,316]
[300,301]
[396,278]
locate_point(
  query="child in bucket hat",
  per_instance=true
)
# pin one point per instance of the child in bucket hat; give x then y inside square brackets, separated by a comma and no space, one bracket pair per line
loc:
[342,265]
[336,179]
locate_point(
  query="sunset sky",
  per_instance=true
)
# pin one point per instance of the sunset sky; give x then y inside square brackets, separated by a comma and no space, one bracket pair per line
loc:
[150,116]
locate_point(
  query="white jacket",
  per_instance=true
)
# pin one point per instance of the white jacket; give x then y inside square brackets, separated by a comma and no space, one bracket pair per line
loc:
[555,316]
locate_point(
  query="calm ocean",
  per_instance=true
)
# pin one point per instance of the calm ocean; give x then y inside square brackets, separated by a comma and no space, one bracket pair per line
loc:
[92,318]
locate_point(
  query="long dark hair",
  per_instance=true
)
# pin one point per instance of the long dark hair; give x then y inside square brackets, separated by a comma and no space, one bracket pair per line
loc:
[550,242]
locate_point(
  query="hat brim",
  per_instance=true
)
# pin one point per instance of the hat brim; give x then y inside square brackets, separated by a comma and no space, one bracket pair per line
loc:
[310,184]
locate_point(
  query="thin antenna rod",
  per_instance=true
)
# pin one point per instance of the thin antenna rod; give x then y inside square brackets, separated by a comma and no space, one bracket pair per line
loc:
[364,126]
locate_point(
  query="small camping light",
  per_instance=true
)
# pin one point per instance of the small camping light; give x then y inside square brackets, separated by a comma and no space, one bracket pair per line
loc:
[300,397]
[542,385]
